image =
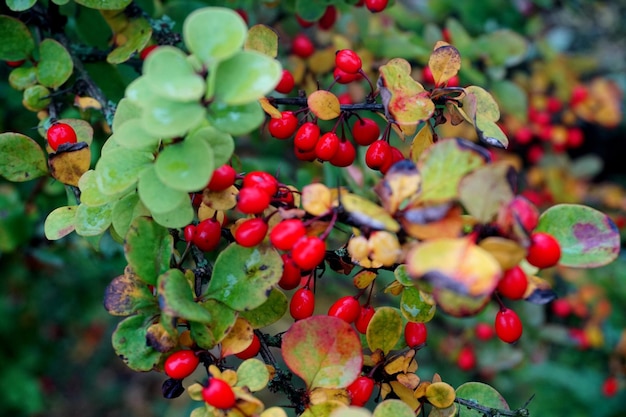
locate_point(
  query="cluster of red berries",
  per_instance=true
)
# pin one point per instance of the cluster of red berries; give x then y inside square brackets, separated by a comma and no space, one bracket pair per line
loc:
[59,134]
[327,21]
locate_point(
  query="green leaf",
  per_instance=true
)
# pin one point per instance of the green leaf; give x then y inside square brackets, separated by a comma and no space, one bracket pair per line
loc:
[148,249]
[248,284]
[36,97]
[20,5]
[55,64]
[444,164]
[17,41]
[132,135]
[21,158]
[168,72]
[417,306]
[23,77]
[129,343]
[60,222]
[119,169]
[208,335]
[125,295]
[168,119]
[125,210]
[236,120]
[186,165]
[221,143]
[137,34]
[511,98]
[252,373]
[179,217]
[245,77]
[503,47]
[272,310]
[588,237]
[93,221]
[141,93]
[176,297]
[156,196]
[214,34]
[482,394]
[311,10]
[126,110]
[104,4]
[15,227]
[90,194]
[264,39]
[324,351]
[384,330]
[393,408]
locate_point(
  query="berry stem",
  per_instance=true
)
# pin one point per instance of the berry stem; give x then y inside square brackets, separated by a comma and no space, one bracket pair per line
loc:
[302,102]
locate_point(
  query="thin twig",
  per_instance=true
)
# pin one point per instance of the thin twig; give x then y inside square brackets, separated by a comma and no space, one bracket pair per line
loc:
[491,412]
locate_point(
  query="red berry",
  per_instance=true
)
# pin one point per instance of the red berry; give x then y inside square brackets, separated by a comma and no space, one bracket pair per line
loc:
[524,135]
[327,146]
[346,308]
[303,155]
[427,75]
[445,34]
[285,196]
[208,235]
[251,232]
[561,307]
[579,94]
[540,117]
[534,154]
[261,179]
[308,252]
[252,200]
[466,361]
[544,250]
[181,364]
[196,199]
[252,350]
[396,156]
[483,331]
[508,325]
[307,136]
[219,394]
[286,83]
[302,304]
[580,337]
[189,232]
[365,316]
[365,131]
[554,105]
[345,156]
[302,46]
[16,64]
[343,77]
[453,82]
[378,154]
[513,283]
[222,178]
[328,19]
[146,51]
[290,278]
[348,61]
[360,391]
[243,14]
[304,23]
[60,133]
[610,386]
[284,127]
[415,334]
[575,137]
[345,98]
[376,6]
[286,233]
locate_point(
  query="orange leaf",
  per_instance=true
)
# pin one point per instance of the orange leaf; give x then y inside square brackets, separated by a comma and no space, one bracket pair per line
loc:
[324,104]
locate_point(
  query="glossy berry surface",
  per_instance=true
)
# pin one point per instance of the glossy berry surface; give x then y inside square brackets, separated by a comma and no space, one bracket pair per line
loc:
[328,19]
[415,334]
[219,394]
[561,307]
[343,77]
[360,391]
[251,232]
[222,178]
[189,232]
[290,278]
[376,6]
[327,146]
[286,83]
[308,252]
[544,250]
[181,364]
[513,283]
[284,127]
[346,308]
[252,350]
[508,325]
[59,134]
[378,155]
[307,136]
[484,332]
[261,179]
[348,61]
[466,361]
[365,316]
[365,131]
[345,155]
[208,235]
[252,200]
[286,233]
[302,304]
[302,46]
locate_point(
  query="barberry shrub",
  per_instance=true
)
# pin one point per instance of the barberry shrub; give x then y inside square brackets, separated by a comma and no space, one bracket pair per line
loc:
[214,247]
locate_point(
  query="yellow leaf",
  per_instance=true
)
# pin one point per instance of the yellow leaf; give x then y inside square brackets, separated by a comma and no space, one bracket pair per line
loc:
[411,381]
[262,39]
[444,62]
[68,165]
[269,108]
[402,363]
[220,200]
[507,252]
[322,395]
[440,394]
[364,278]
[422,141]
[316,199]
[324,104]
[238,338]
[405,394]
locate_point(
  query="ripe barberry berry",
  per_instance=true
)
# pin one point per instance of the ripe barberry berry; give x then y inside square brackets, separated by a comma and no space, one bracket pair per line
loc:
[346,308]
[219,394]
[252,350]
[343,77]
[378,154]
[143,54]
[302,304]
[261,179]
[513,283]
[561,307]
[304,23]
[544,250]
[252,200]
[15,64]
[222,178]
[302,46]
[208,235]
[466,361]
[365,316]
[376,6]
[365,131]
[59,134]
[610,386]
[284,127]
[291,275]
[189,232]
[286,83]
[483,331]
[308,252]
[328,19]
[427,75]
[286,233]
[348,61]
[360,390]
[396,156]
[307,136]
[251,232]
[327,146]
[345,156]
[508,325]
[415,334]
[181,364]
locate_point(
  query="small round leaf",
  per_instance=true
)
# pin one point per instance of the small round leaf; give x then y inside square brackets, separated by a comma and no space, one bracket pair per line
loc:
[156,196]
[17,41]
[55,64]
[253,374]
[60,222]
[324,104]
[170,74]
[384,330]
[186,165]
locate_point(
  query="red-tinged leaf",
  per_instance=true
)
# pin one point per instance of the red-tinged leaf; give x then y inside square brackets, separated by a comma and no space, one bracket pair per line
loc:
[324,351]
